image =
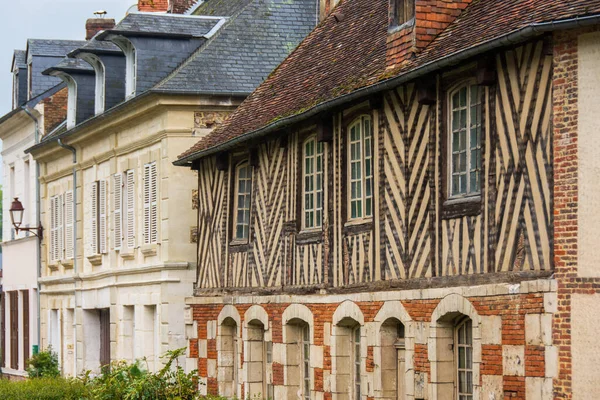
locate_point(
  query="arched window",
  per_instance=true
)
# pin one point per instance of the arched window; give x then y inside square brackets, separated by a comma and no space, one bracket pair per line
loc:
[401,11]
[360,168]
[348,359]
[464,358]
[100,74]
[465,140]
[228,358]
[130,64]
[312,183]
[71,101]
[393,359]
[298,357]
[243,190]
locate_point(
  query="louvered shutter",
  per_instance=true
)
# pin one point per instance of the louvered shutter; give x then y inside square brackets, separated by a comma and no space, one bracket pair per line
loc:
[102,216]
[94,218]
[117,214]
[60,232]
[68,225]
[150,204]
[129,204]
[53,244]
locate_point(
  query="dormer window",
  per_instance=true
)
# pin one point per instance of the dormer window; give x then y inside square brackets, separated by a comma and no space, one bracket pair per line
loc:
[72,101]
[401,12]
[100,90]
[130,65]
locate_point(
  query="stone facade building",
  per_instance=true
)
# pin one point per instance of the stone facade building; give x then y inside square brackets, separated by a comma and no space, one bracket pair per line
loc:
[117,262]
[407,208]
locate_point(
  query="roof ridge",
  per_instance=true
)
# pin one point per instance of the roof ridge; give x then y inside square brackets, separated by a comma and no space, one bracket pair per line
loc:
[202,47]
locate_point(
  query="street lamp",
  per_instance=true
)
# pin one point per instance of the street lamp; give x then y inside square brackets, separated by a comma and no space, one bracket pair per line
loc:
[16,217]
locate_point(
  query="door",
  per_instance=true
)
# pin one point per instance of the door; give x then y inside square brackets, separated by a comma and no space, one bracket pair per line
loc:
[14,330]
[104,337]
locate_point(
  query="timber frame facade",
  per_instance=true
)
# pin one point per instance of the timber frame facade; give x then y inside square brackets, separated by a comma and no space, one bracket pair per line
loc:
[426,290]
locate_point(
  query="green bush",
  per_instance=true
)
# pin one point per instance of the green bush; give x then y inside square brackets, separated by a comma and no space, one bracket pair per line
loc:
[43,365]
[43,389]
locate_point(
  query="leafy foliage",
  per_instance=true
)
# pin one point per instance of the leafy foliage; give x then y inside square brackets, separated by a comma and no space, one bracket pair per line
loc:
[43,389]
[43,365]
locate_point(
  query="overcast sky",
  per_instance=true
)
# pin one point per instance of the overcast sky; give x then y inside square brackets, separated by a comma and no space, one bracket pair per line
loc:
[45,19]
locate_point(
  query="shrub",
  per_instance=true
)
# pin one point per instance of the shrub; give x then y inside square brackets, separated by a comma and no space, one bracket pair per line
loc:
[43,365]
[43,389]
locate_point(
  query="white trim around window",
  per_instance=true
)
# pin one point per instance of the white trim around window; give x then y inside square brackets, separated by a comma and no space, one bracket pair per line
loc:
[313,166]
[242,199]
[360,169]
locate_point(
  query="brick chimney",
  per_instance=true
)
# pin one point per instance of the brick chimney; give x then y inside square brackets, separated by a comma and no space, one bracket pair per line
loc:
[153,5]
[95,25]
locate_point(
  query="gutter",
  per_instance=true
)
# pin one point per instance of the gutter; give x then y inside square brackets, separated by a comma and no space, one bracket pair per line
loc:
[514,37]
[38,218]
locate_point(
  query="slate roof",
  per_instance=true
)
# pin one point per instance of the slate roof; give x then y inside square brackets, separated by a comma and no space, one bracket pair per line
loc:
[20,59]
[243,53]
[162,25]
[220,8]
[70,65]
[52,48]
[339,58]
[97,47]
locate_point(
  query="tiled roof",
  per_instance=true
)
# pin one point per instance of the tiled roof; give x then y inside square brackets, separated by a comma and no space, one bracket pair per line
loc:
[70,65]
[340,57]
[96,47]
[162,24]
[20,59]
[52,48]
[247,48]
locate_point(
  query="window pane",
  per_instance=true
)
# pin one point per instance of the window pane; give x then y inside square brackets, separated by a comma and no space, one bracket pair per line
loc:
[463,97]
[463,184]
[455,100]
[462,382]
[455,142]
[461,357]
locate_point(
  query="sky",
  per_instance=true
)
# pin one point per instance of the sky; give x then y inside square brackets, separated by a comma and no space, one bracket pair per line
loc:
[45,19]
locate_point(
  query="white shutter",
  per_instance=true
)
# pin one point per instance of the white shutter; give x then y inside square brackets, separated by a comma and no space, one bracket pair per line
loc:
[60,232]
[117,214]
[53,244]
[69,225]
[150,204]
[129,204]
[94,218]
[102,216]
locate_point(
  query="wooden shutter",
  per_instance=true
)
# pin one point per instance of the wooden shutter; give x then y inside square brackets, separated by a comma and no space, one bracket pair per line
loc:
[94,218]
[25,294]
[60,232]
[117,207]
[150,204]
[69,216]
[14,330]
[129,204]
[102,216]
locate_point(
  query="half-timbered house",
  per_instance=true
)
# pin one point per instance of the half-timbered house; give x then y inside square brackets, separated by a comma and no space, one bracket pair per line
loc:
[394,212]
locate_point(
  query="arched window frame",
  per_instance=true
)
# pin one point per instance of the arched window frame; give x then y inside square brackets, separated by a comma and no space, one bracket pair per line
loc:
[463,357]
[130,64]
[71,101]
[100,78]
[360,168]
[457,145]
[245,208]
[313,174]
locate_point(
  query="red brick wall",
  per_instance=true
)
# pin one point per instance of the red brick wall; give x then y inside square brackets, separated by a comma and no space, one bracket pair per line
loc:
[95,25]
[153,5]
[55,110]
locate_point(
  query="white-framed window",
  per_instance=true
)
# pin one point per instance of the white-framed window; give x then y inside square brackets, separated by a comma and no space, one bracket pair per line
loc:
[401,11]
[129,209]
[356,363]
[100,76]
[243,192]
[464,359]
[61,227]
[130,65]
[360,168]
[306,361]
[312,184]
[465,140]
[71,101]
[98,217]
[150,203]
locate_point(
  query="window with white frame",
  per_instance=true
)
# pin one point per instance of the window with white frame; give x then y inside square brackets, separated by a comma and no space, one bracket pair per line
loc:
[130,65]
[356,362]
[129,209]
[71,101]
[100,75]
[465,141]
[306,361]
[61,227]
[360,174]
[117,211]
[150,203]
[313,183]
[243,191]
[464,359]
[98,217]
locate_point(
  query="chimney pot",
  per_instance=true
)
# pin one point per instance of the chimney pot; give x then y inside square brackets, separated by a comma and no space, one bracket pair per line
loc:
[95,25]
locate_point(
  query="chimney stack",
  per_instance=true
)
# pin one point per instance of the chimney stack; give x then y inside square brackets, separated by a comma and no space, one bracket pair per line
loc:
[153,5]
[95,25]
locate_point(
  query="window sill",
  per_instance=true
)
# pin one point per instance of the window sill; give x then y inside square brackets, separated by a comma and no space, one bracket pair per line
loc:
[95,260]
[239,246]
[309,236]
[461,207]
[127,253]
[149,250]
[358,226]
[67,264]
[53,266]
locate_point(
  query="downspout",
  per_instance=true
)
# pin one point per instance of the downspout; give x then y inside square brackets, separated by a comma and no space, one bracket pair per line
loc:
[38,221]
